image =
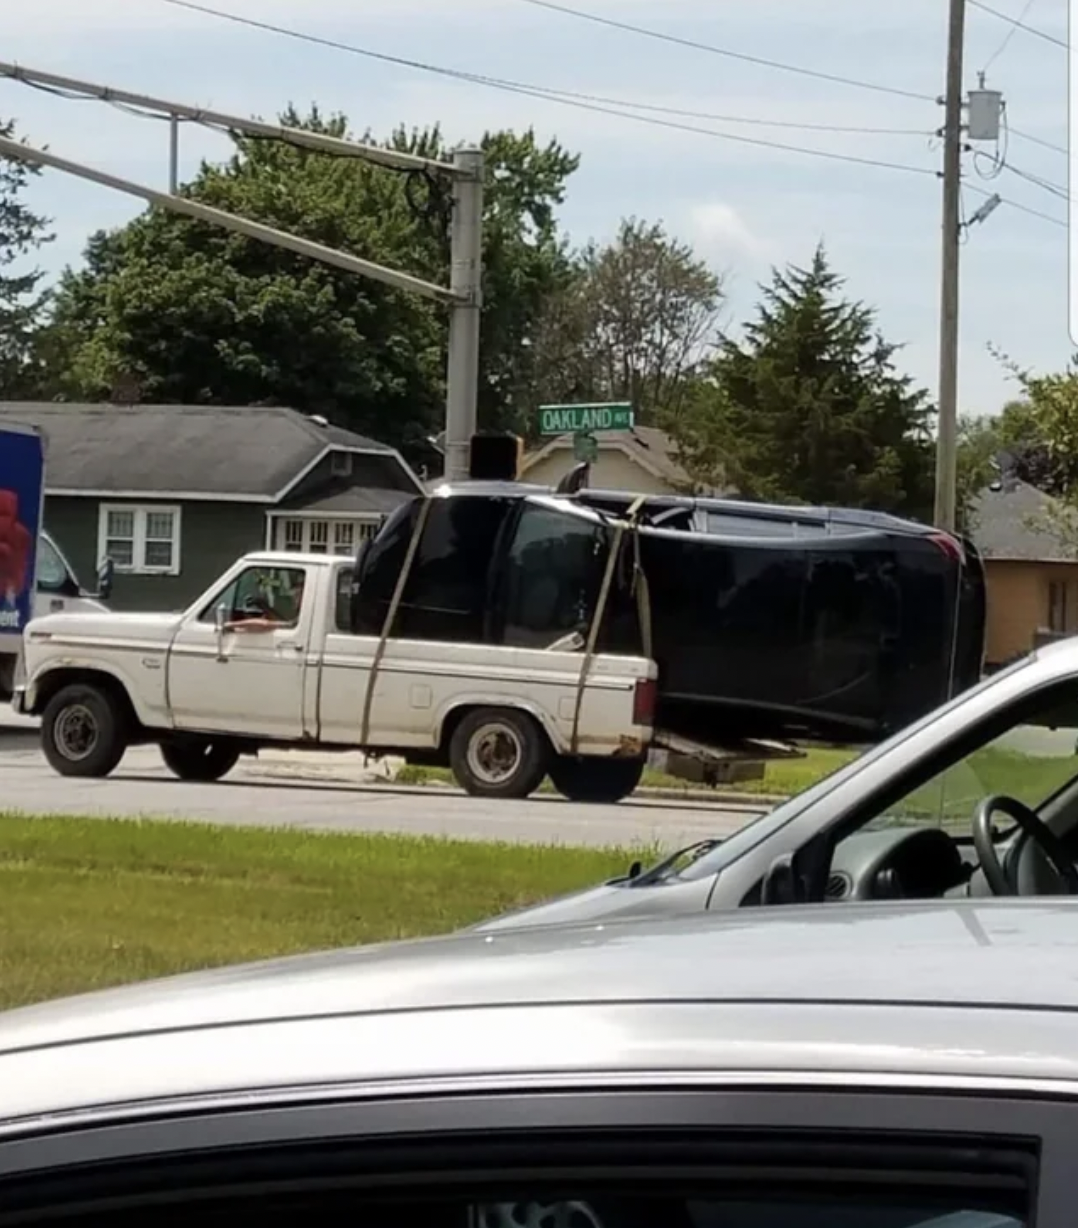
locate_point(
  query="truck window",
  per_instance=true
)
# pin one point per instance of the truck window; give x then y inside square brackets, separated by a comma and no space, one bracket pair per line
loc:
[52,575]
[342,600]
[551,577]
[261,594]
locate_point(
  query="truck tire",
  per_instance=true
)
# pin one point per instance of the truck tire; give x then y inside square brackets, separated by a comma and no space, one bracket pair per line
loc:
[499,752]
[7,676]
[199,759]
[595,780]
[83,731]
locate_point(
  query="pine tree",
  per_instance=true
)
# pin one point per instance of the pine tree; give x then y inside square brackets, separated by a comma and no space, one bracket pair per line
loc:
[22,302]
[808,405]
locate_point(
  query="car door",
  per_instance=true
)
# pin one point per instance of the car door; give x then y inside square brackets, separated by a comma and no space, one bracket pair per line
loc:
[648,1153]
[247,678]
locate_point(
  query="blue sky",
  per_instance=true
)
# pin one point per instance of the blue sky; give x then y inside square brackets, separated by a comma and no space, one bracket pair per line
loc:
[743,207]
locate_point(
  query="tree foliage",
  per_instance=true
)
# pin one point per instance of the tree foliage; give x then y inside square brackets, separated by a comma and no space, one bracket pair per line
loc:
[633,323]
[22,301]
[202,315]
[808,405]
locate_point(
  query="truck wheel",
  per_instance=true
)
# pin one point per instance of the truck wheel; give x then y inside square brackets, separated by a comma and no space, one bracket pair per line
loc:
[595,780]
[83,731]
[499,752]
[199,759]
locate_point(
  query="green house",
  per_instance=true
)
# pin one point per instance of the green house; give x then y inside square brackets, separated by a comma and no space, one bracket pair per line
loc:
[174,494]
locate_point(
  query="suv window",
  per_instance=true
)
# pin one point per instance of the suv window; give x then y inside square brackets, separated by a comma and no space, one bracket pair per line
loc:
[551,577]
[447,593]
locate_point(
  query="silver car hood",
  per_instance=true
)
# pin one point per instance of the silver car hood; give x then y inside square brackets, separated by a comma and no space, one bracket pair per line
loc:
[620,901]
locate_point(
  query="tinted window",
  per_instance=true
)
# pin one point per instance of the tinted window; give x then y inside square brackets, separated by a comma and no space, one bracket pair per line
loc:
[629,1198]
[447,593]
[551,579]
[379,565]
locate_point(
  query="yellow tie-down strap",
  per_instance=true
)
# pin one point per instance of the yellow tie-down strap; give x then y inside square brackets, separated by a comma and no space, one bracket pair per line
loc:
[621,527]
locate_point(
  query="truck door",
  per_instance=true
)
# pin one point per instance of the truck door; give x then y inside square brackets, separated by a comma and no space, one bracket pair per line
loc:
[248,679]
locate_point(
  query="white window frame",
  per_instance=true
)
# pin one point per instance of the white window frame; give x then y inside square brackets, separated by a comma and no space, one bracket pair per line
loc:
[140,513]
[363,527]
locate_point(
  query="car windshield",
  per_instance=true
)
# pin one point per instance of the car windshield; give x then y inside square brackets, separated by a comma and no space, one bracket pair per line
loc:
[749,836]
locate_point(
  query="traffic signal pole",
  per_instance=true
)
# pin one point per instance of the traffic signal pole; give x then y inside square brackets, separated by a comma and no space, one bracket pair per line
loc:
[462,297]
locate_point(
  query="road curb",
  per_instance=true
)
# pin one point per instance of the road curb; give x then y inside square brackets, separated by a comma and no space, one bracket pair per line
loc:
[729,800]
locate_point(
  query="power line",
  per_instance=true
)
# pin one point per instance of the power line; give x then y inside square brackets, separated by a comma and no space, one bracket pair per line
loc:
[542,90]
[1016,22]
[1008,36]
[1013,204]
[693,44]
[1054,188]
[545,94]
[1036,140]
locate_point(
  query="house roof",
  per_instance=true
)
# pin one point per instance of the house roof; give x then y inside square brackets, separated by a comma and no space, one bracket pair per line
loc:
[236,453]
[342,500]
[1015,522]
[650,448]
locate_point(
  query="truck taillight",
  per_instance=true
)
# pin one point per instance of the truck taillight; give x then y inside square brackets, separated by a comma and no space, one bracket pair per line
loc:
[644,697]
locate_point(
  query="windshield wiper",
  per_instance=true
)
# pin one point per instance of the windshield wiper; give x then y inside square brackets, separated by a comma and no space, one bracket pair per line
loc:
[673,864]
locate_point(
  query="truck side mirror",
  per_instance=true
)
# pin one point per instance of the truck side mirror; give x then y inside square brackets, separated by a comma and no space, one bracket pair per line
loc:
[106,573]
[220,622]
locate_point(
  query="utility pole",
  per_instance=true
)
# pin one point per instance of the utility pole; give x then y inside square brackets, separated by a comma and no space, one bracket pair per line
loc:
[466,171]
[465,284]
[947,441]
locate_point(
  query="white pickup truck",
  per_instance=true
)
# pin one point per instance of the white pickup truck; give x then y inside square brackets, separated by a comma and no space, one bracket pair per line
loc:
[266,657]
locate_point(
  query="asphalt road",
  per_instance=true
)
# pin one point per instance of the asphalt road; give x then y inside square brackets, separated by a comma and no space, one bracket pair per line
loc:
[279,794]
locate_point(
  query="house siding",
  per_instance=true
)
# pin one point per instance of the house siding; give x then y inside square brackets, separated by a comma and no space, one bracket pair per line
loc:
[212,537]
[1017,592]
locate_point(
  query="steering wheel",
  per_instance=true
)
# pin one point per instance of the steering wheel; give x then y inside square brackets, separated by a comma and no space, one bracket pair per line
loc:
[1034,827]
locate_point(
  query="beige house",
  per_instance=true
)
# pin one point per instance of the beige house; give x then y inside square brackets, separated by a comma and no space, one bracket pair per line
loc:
[644,460]
[1031,572]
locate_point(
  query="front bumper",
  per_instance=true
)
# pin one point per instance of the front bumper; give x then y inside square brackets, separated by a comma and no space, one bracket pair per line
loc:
[19,701]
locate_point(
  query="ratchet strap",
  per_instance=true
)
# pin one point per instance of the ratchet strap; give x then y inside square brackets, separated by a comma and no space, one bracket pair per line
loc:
[391,618]
[620,528]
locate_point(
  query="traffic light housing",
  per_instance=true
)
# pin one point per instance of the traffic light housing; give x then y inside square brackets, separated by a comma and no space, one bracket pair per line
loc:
[495,458]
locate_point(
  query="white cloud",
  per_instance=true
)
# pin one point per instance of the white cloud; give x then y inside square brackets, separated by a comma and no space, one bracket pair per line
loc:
[720,232]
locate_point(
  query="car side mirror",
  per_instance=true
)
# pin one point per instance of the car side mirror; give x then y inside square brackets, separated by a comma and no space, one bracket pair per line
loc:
[106,573]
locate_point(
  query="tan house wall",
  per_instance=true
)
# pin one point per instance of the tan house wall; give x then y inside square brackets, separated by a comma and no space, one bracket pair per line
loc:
[612,470]
[1019,606]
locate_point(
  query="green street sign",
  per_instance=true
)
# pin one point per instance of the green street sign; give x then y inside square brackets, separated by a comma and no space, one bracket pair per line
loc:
[583,419]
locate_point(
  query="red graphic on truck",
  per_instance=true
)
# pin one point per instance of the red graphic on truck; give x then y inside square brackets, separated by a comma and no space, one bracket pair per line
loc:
[16,542]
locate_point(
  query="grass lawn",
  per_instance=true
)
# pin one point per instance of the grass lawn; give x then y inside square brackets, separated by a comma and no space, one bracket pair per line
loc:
[88,903]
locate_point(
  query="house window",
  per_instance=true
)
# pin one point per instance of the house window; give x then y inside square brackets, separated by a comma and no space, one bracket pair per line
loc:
[292,535]
[340,464]
[329,536]
[319,536]
[1062,607]
[344,537]
[140,540]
